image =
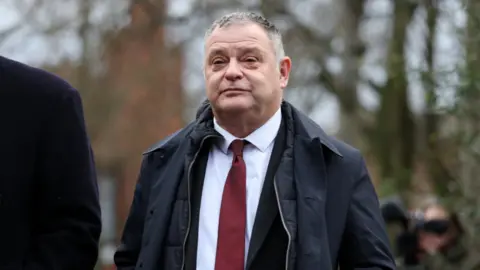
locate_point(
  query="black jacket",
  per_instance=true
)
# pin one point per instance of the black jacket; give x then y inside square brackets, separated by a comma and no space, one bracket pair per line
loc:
[49,205]
[327,202]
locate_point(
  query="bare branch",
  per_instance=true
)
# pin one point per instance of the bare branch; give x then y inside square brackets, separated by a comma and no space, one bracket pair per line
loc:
[26,13]
[6,33]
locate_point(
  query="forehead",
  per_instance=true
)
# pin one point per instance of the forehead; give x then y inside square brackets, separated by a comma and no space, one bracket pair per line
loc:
[238,35]
[435,212]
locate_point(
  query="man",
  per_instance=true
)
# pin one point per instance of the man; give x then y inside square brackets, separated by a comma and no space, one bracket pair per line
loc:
[440,240]
[428,237]
[252,183]
[49,206]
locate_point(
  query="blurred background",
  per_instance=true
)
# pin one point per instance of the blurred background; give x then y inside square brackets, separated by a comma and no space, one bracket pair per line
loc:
[398,79]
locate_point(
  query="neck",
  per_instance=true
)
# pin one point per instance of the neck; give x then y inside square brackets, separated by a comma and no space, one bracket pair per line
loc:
[242,125]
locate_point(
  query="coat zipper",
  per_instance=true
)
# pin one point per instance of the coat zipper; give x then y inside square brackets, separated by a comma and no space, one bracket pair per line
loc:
[283,222]
[188,198]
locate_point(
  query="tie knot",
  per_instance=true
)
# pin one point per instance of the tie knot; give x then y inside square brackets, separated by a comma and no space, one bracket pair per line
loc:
[237,147]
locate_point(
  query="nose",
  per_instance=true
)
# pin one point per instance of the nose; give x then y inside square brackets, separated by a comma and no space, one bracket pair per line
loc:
[233,72]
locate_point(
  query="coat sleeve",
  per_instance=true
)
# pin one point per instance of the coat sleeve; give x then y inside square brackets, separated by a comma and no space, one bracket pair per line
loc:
[365,244]
[67,218]
[127,252]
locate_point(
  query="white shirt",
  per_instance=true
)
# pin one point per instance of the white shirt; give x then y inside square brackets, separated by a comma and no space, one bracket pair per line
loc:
[257,157]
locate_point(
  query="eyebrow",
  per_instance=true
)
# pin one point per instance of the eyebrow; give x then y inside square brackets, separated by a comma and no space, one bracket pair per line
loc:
[243,50]
[252,49]
[216,51]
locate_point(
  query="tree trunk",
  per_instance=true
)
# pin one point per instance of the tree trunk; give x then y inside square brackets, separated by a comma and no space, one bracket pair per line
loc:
[394,141]
[346,83]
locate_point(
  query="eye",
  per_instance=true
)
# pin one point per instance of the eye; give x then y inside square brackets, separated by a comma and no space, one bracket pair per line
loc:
[218,61]
[251,59]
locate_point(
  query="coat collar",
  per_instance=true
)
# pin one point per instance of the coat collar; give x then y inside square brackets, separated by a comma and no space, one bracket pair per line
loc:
[296,121]
[305,125]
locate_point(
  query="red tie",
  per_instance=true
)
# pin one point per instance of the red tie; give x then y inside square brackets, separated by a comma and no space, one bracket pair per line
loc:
[233,212]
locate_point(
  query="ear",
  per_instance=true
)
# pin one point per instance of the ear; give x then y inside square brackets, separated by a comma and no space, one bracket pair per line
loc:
[285,66]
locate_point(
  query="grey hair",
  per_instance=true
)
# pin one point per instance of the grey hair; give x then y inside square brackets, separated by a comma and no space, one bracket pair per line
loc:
[246,17]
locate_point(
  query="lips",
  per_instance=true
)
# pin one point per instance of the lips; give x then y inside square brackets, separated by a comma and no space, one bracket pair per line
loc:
[234,90]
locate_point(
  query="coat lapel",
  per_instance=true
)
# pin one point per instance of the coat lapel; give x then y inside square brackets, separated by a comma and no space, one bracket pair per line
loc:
[311,183]
[266,214]
[267,207]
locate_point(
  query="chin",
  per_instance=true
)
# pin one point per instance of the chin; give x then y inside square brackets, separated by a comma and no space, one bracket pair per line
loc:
[234,106]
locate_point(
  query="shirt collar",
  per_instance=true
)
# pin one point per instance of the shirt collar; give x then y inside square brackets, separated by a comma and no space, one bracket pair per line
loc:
[261,138]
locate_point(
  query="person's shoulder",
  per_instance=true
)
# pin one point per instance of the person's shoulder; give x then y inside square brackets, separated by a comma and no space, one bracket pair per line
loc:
[32,82]
[334,144]
[169,143]
[347,150]
[347,156]
[351,158]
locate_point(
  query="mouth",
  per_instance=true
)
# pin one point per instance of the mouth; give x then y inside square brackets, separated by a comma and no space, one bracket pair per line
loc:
[234,90]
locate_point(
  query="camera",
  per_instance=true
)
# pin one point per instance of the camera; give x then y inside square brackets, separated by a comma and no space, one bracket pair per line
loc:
[423,232]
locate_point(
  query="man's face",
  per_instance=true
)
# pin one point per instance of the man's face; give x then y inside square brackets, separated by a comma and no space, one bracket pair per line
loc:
[241,70]
[432,242]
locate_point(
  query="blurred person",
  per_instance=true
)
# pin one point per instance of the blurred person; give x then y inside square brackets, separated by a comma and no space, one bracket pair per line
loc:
[446,241]
[428,235]
[49,205]
[431,242]
[252,183]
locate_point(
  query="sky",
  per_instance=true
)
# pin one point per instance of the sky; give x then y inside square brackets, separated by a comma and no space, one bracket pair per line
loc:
[31,48]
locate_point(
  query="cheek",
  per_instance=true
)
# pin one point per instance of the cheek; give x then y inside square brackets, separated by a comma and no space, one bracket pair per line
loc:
[257,79]
[265,76]
[262,83]
[212,83]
